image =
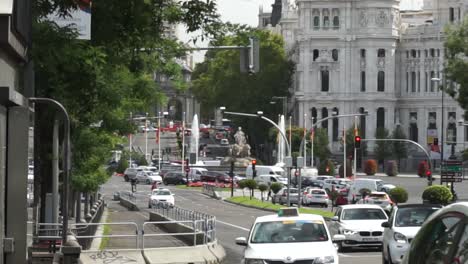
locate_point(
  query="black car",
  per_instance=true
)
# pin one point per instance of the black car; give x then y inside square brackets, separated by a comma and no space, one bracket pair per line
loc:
[212,176]
[174,178]
[307,182]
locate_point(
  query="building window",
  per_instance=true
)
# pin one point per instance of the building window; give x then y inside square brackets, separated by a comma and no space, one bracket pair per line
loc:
[336,22]
[381,53]
[381,81]
[413,53]
[413,82]
[425,81]
[335,54]
[425,53]
[432,83]
[419,82]
[313,114]
[326,21]
[407,82]
[324,115]
[413,127]
[335,125]
[325,80]
[407,54]
[363,81]
[432,52]
[438,52]
[362,123]
[363,53]
[451,14]
[315,54]
[432,120]
[380,117]
[419,53]
[316,22]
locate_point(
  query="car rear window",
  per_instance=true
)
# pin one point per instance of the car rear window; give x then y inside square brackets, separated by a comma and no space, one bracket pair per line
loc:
[318,192]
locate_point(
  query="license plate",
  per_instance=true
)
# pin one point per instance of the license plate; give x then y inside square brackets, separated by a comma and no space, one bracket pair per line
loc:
[318,196]
[370,239]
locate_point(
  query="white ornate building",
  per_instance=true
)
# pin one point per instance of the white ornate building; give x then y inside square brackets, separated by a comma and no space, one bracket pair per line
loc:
[355,56]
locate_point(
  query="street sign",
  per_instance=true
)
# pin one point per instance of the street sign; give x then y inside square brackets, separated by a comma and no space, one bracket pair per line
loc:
[451,171]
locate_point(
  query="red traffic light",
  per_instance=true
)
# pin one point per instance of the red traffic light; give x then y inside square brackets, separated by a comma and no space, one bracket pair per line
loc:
[357,138]
[357,141]
[428,173]
[254,162]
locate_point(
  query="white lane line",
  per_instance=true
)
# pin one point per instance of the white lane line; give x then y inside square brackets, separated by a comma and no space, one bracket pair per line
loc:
[232,225]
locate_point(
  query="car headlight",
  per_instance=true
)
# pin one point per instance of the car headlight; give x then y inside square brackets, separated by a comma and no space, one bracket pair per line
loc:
[324,260]
[349,232]
[399,237]
[254,261]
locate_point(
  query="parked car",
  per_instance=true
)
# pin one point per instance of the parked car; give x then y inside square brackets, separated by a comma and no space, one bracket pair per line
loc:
[443,238]
[196,173]
[130,173]
[324,177]
[174,177]
[335,184]
[148,177]
[315,196]
[379,198]
[213,176]
[405,221]
[373,185]
[282,196]
[309,182]
[161,197]
[386,187]
[289,238]
[361,224]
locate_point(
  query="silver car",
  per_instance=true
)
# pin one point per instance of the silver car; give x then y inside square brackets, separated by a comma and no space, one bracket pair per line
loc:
[282,196]
[405,221]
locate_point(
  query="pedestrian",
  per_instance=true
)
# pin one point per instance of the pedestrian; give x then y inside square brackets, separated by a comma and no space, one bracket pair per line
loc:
[269,191]
[154,185]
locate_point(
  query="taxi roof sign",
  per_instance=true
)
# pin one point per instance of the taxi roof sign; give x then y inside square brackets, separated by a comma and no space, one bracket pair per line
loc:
[288,212]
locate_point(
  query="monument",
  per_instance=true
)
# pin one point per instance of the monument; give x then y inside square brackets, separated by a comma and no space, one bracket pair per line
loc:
[240,151]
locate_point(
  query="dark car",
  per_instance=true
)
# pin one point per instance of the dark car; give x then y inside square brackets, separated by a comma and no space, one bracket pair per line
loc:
[174,178]
[308,182]
[213,176]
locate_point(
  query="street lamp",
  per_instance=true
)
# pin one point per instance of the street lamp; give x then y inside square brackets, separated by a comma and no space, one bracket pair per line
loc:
[437,80]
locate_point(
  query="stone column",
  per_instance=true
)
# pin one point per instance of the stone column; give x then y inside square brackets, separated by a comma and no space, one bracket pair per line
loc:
[422,126]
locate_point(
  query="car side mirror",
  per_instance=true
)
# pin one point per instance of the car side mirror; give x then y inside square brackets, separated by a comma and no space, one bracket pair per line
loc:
[386,224]
[241,241]
[338,238]
[335,218]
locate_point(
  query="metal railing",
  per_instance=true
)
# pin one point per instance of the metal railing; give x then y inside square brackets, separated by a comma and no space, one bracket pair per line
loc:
[209,189]
[131,224]
[193,225]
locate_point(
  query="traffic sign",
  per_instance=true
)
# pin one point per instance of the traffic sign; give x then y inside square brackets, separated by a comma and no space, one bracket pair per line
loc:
[451,171]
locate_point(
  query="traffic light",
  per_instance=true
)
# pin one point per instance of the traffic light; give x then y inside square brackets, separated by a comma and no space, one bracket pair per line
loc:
[254,171]
[357,142]
[436,141]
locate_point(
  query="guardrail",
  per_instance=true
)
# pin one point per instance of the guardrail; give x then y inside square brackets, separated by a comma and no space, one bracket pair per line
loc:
[128,196]
[132,224]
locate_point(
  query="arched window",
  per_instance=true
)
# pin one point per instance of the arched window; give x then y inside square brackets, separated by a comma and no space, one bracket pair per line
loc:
[336,133]
[324,115]
[316,22]
[335,54]
[336,22]
[363,81]
[313,114]
[380,117]
[325,78]
[362,123]
[413,82]
[326,21]
[451,14]
[381,81]
[363,53]
[315,54]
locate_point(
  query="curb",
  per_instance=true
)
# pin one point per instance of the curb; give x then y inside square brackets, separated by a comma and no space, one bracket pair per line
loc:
[265,209]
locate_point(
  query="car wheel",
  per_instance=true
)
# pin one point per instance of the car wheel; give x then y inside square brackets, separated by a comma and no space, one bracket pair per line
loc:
[126,178]
[341,249]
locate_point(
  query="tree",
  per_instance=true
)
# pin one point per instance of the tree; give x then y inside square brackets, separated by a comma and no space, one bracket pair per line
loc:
[327,167]
[383,149]
[276,187]
[456,63]
[437,194]
[398,195]
[251,184]
[399,149]
[218,81]
[262,188]
[321,148]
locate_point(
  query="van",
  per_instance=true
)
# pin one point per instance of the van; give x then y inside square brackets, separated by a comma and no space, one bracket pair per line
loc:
[262,170]
[306,172]
[362,183]
[196,173]
[268,179]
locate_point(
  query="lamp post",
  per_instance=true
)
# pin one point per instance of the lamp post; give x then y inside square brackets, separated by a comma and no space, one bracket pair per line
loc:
[437,81]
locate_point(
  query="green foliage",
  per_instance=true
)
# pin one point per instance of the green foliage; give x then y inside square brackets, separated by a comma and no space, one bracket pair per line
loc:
[323,168]
[251,184]
[122,165]
[456,63]
[392,168]
[262,187]
[141,160]
[349,170]
[437,194]
[398,195]
[242,184]
[370,167]
[218,81]
[364,192]
[423,167]
[399,149]
[321,149]
[276,187]
[383,149]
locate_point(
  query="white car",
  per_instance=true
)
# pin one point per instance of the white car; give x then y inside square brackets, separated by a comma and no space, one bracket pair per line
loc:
[148,177]
[405,221]
[289,237]
[336,184]
[315,196]
[443,238]
[161,197]
[379,198]
[361,224]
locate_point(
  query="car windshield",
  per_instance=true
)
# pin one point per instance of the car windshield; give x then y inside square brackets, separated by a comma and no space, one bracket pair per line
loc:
[289,231]
[160,192]
[413,216]
[363,214]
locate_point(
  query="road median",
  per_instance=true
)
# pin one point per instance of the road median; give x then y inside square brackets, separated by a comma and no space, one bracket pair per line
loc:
[268,206]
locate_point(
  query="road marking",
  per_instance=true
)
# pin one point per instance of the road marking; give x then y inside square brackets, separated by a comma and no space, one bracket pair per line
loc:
[232,225]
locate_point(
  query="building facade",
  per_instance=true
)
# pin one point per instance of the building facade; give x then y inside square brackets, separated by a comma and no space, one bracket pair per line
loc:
[375,57]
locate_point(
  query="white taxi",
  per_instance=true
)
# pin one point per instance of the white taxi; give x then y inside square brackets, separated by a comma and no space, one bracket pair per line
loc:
[289,237]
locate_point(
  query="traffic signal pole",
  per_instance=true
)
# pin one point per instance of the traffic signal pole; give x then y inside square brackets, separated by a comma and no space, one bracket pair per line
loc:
[355,157]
